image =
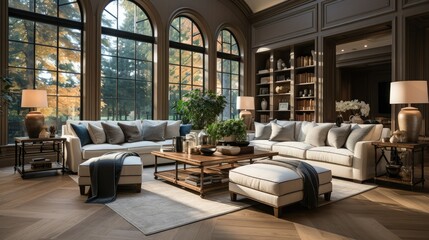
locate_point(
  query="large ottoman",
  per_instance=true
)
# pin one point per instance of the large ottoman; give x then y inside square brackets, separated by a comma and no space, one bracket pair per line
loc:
[131,173]
[274,185]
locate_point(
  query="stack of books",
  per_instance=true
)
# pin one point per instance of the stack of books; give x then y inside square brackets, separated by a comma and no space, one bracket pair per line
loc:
[194,179]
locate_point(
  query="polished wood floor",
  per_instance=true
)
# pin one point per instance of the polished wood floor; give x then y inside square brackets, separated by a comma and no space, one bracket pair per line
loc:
[51,208]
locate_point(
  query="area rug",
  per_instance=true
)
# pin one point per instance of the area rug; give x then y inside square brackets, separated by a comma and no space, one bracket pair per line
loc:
[161,206]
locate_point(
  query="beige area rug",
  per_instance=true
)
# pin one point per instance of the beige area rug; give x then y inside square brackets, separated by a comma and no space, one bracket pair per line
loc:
[161,206]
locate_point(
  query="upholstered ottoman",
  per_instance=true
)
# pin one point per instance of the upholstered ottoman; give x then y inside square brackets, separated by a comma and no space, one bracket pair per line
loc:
[274,185]
[131,173]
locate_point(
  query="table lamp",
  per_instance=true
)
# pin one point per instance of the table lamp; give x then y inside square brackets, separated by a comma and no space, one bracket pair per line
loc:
[34,120]
[245,104]
[409,118]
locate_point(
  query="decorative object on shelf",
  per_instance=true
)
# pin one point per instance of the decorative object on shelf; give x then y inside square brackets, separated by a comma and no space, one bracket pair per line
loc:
[409,118]
[264,104]
[263,91]
[282,89]
[313,55]
[401,136]
[44,132]
[355,119]
[52,131]
[34,120]
[305,93]
[244,104]
[203,137]
[339,120]
[359,108]
[280,64]
[310,93]
[283,106]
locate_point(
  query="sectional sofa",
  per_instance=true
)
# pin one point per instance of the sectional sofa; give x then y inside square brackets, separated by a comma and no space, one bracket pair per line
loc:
[87,139]
[345,150]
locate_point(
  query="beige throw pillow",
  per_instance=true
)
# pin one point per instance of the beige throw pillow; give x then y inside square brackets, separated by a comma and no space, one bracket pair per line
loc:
[262,131]
[337,136]
[357,134]
[284,132]
[316,136]
[96,133]
[154,130]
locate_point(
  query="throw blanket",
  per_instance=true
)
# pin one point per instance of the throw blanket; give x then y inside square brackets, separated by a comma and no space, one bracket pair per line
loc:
[309,176]
[104,173]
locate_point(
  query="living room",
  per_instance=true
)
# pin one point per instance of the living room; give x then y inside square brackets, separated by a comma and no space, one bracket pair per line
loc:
[71,50]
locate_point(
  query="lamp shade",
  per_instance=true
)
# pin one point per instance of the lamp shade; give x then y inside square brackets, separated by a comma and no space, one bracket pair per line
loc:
[33,98]
[245,103]
[407,92]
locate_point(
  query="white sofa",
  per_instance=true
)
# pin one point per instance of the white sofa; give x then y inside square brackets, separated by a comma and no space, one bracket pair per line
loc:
[76,153]
[353,159]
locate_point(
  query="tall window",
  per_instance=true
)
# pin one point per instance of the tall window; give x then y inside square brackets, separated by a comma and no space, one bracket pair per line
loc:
[126,62]
[186,61]
[45,52]
[228,72]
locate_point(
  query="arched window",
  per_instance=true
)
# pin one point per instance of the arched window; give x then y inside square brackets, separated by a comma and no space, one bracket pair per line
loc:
[228,71]
[126,62]
[45,52]
[186,61]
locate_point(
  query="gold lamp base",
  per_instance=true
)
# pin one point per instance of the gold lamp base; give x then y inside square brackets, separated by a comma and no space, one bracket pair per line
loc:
[410,121]
[247,118]
[34,121]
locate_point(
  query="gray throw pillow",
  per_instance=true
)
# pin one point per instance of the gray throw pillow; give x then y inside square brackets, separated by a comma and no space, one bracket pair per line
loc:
[131,132]
[154,131]
[284,132]
[114,134]
[316,136]
[173,129]
[96,133]
[337,136]
[357,134]
[262,131]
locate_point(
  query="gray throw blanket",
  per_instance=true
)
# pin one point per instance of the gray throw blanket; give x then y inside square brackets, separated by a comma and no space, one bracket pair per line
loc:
[308,174]
[104,173]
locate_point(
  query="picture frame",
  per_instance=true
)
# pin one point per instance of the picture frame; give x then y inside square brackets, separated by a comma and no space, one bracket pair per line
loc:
[263,91]
[283,106]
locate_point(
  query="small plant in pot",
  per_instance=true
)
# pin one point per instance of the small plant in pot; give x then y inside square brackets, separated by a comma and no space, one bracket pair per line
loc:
[231,130]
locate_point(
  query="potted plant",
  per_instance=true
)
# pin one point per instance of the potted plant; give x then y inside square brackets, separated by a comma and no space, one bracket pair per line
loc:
[200,109]
[231,130]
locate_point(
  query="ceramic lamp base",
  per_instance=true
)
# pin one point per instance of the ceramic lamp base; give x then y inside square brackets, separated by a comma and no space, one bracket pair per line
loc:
[34,122]
[410,121]
[247,118]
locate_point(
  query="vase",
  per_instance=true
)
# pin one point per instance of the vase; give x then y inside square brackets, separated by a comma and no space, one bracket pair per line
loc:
[339,120]
[203,137]
[264,104]
[356,119]
[280,64]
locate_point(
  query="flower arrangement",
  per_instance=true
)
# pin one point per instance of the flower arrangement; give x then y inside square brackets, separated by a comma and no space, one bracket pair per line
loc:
[355,105]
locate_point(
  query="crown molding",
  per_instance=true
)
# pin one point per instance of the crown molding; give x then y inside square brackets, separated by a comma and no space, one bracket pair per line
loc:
[245,9]
[278,9]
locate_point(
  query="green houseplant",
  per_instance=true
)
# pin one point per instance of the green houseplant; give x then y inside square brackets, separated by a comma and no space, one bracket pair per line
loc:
[229,130]
[200,109]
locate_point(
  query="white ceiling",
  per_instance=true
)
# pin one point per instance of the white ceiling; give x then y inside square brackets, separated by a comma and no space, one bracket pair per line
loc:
[367,43]
[259,5]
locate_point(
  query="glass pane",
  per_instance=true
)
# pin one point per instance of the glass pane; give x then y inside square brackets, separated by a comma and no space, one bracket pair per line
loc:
[47,80]
[174,56]
[185,77]
[234,81]
[235,50]
[46,34]
[126,16]
[144,51]
[144,100]
[226,48]
[197,40]
[198,59]
[126,110]
[109,17]
[108,45]
[50,112]
[185,31]
[21,55]
[126,48]
[126,89]
[108,66]
[15,119]
[174,30]
[46,7]
[174,74]
[68,108]
[226,80]
[108,109]
[70,11]
[70,38]
[26,5]
[144,27]
[144,71]
[69,61]
[46,58]
[21,30]
[219,43]
[22,78]
[69,84]
[108,87]
[235,67]
[186,59]
[226,36]
[198,77]
[219,64]
[219,80]
[126,68]
[226,64]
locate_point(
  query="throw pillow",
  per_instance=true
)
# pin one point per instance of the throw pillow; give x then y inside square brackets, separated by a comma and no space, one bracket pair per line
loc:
[316,136]
[114,134]
[357,134]
[262,131]
[303,130]
[96,133]
[82,133]
[154,131]
[185,129]
[173,129]
[284,132]
[131,132]
[337,136]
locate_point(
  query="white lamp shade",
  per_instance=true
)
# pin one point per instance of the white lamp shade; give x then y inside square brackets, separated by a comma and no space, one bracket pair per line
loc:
[245,103]
[32,98]
[407,92]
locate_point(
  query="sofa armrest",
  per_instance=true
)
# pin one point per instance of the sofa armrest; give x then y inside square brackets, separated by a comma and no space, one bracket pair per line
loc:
[364,161]
[73,152]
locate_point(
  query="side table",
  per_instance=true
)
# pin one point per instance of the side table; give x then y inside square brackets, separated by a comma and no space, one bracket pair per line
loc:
[39,146]
[413,149]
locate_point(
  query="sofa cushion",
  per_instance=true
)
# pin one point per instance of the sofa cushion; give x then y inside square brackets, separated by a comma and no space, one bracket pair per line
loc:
[82,133]
[358,133]
[262,131]
[154,130]
[114,134]
[284,132]
[262,144]
[96,150]
[96,132]
[131,132]
[340,156]
[142,147]
[337,136]
[316,136]
[292,149]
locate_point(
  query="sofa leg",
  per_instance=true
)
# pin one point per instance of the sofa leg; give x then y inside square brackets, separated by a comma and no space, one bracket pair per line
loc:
[233,196]
[328,196]
[82,189]
[277,211]
[138,188]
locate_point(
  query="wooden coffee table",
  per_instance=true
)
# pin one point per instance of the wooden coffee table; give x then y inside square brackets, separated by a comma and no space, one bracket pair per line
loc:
[215,164]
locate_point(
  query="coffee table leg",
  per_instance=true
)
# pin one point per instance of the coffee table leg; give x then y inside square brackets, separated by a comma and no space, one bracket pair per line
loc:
[156,168]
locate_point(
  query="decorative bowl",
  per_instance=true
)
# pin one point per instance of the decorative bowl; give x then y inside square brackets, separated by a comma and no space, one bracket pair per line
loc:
[230,150]
[207,151]
[393,170]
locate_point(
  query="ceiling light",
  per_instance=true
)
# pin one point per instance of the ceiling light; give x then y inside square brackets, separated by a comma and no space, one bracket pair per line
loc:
[365,45]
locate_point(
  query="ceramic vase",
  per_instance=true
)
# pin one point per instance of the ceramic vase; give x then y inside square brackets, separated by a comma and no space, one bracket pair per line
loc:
[264,104]
[356,119]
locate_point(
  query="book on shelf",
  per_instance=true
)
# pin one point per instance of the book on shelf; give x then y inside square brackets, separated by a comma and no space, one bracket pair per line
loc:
[197,183]
[196,176]
[263,71]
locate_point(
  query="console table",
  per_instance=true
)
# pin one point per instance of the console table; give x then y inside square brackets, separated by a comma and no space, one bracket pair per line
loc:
[413,149]
[25,146]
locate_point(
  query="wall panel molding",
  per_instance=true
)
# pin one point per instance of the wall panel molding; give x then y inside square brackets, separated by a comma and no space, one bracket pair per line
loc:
[410,3]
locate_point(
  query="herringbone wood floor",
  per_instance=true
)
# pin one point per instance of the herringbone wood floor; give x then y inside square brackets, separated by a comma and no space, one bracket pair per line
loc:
[51,208]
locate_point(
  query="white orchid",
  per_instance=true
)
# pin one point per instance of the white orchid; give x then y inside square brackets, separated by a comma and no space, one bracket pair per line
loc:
[354,105]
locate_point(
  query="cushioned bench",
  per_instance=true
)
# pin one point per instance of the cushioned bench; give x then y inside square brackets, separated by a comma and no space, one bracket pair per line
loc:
[131,173]
[274,185]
